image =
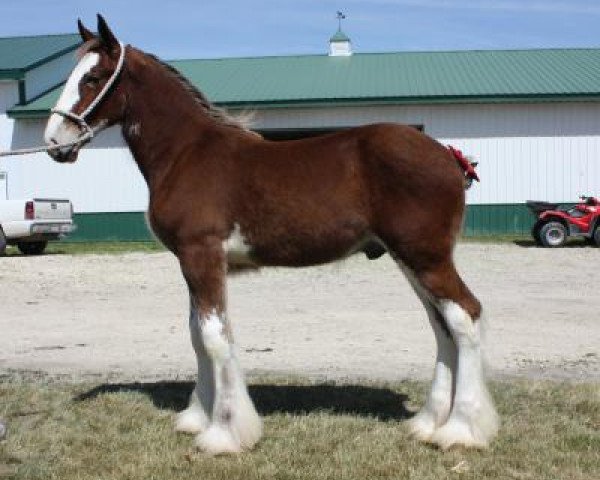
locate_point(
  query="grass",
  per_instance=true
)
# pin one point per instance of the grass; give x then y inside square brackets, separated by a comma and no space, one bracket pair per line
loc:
[518,239]
[312,431]
[100,248]
[83,248]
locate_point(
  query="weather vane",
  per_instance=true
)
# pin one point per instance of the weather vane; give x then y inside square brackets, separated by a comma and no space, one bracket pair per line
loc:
[340,16]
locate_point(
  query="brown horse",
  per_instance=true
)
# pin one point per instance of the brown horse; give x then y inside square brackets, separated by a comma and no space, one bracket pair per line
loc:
[221,196]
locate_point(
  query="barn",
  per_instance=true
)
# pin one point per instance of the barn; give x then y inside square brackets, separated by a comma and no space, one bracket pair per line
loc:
[530,117]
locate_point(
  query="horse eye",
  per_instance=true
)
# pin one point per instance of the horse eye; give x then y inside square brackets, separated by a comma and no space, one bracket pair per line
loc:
[91,80]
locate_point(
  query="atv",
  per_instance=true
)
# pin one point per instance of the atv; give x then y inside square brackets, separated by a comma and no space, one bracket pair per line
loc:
[555,224]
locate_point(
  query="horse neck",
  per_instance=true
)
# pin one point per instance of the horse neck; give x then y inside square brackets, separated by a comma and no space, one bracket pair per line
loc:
[161,116]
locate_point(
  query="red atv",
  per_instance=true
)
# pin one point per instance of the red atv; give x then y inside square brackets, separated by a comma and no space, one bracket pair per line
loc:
[554,224]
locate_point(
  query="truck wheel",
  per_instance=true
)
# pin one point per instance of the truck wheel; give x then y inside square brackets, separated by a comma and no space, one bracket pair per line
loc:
[553,234]
[32,248]
[2,242]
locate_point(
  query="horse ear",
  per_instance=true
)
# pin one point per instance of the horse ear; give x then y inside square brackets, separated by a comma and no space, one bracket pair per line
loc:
[84,32]
[107,37]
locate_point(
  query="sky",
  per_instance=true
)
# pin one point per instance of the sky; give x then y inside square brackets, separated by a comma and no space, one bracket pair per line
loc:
[234,28]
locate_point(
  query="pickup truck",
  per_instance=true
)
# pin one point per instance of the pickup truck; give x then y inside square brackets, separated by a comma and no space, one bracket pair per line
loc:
[29,224]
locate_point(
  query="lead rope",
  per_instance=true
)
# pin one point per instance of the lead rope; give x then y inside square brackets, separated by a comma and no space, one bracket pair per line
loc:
[87,131]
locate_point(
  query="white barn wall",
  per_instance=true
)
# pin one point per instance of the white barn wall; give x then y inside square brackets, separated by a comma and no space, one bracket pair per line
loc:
[104,179]
[534,151]
[545,151]
[48,75]
[9,96]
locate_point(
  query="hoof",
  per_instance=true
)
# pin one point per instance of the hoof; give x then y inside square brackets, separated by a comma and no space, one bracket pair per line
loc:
[217,441]
[468,432]
[455,433]
[422,426]
[191,420]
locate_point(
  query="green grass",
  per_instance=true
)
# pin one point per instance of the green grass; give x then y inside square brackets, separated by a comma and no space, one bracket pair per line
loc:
[83,248]
[76,248]
[523,239]
[312,431]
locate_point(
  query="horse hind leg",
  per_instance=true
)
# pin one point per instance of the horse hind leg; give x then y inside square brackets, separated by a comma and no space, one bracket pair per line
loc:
[437,407]
[473,420]
[455,315]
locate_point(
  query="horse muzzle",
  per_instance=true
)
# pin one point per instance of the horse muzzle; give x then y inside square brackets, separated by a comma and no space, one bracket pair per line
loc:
[64,154]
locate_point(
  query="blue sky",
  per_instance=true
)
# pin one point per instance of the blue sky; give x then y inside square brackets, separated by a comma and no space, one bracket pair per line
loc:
[225,28]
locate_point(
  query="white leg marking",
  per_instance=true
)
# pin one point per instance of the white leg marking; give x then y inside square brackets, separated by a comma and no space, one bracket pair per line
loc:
[235,424]
[439,401]
[196,417]
[473,420]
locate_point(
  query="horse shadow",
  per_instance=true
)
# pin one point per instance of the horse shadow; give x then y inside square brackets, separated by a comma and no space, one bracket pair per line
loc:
[374,402]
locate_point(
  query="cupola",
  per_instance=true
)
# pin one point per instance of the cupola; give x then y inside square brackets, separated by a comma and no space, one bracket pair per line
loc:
[339,43]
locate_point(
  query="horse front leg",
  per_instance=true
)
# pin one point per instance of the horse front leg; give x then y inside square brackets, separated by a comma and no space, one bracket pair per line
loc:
[233,424]
[196,417]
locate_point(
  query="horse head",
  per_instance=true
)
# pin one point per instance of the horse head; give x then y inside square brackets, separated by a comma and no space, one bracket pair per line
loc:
[92,98]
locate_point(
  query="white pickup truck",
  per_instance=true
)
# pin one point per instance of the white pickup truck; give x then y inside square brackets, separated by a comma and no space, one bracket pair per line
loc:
[29,224]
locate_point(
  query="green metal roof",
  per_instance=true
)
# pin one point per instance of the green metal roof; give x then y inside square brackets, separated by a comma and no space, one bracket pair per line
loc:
[339,36]
[398,78]
[19,54]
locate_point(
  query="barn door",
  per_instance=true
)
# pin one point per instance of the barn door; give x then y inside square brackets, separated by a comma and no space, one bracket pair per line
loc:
[3,186]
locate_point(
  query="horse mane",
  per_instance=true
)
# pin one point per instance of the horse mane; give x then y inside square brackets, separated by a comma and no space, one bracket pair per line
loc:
[220,115]
[241,121]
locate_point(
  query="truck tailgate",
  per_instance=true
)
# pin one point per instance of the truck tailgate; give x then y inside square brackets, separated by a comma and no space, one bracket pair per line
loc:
[50,209]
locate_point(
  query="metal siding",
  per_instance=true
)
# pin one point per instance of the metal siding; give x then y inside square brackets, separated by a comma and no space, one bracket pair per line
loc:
[526,151]
[543,152]
[9,95]
[118,226]
[480,220]
[498,219]
[48,75]
[104,179]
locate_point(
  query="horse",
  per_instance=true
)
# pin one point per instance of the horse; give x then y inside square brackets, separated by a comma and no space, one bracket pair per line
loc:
[223,198]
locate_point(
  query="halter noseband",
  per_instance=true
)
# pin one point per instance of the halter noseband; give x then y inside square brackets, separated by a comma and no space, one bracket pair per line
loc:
[87,131]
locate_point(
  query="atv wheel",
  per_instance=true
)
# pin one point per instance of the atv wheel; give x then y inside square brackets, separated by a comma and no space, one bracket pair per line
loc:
[553,234]
[2,242]
[535,233]
[597,236]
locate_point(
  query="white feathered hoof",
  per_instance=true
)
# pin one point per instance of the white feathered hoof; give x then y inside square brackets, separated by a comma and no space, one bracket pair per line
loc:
[218,440]
[474,429]
[237,432]
[422,426]
[192,420]
[458,433]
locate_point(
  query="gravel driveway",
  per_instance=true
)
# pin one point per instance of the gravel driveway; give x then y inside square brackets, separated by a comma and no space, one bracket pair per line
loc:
[125,316]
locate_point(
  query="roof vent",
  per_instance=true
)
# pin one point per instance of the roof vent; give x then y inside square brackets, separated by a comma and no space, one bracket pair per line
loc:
[339,43]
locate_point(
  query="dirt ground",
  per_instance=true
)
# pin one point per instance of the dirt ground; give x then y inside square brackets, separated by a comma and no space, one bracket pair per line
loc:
[125,316]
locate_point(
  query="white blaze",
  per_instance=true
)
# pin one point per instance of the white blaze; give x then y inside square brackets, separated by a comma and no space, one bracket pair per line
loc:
[56,128]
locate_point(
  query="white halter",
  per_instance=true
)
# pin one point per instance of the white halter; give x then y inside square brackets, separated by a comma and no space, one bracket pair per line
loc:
[88,132]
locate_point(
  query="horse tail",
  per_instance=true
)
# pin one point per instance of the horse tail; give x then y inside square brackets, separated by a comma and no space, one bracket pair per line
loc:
[467,166]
